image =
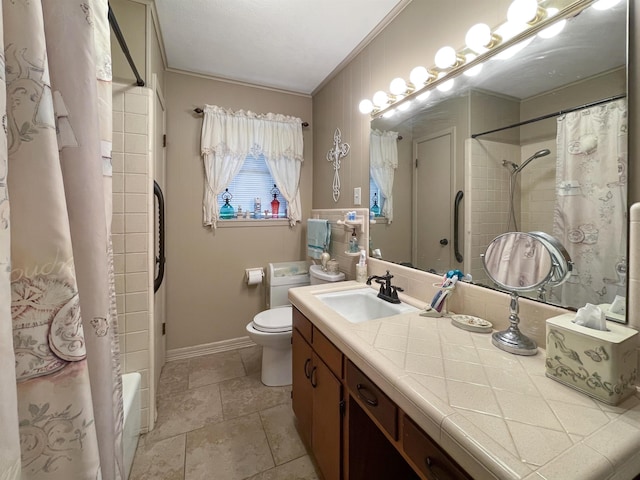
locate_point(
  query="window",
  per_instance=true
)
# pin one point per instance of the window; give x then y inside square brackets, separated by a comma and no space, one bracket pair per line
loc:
[253,181]
[374,189]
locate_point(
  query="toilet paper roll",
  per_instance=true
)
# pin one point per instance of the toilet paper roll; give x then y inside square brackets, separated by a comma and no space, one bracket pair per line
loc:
[254,276]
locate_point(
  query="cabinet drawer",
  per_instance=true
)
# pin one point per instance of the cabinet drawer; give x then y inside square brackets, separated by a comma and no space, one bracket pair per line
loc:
[328,352]
[301,323]
[377,403]
[432,461]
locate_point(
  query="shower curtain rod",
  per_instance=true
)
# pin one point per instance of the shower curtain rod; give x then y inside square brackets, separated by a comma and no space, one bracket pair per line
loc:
[551,115]
[200,111]
[123,45]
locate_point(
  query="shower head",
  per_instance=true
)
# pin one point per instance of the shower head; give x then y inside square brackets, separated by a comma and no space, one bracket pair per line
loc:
[511,165]
[538,154]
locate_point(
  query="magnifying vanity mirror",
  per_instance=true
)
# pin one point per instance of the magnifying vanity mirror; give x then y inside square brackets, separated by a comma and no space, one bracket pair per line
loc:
[537,143]
[524,262]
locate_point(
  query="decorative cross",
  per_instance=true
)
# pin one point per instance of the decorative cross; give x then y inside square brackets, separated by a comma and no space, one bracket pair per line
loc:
[334,155]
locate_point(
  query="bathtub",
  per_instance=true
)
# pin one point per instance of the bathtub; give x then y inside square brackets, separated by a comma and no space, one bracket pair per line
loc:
[131,428]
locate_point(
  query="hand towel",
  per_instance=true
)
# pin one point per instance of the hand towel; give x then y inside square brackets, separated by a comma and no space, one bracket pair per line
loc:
[318,236]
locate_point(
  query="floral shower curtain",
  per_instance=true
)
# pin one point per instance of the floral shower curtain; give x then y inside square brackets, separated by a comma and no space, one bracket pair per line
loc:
[590,217]
[60,401]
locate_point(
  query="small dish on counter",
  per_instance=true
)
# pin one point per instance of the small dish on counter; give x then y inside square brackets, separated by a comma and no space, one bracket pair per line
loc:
[471,323]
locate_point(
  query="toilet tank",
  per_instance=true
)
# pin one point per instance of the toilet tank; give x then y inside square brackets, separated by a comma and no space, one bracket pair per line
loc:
[283,276]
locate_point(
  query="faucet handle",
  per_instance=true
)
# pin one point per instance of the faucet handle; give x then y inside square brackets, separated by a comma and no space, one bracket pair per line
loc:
[394,291]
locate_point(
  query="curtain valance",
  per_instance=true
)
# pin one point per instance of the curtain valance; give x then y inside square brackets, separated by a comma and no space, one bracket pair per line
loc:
[228,137]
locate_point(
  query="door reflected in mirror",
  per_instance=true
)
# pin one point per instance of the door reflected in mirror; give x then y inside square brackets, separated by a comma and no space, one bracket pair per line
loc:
[563,173]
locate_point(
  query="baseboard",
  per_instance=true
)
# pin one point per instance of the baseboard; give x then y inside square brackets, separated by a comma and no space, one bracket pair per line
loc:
[208,348]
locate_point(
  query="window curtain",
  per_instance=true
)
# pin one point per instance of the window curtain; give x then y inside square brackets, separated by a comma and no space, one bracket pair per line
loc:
[61,397]
[228,137]
[383,147]
[591,202]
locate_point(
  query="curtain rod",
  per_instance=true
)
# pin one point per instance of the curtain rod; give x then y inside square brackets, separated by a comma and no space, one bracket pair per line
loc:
[551,115]
[123,45]
[200,111]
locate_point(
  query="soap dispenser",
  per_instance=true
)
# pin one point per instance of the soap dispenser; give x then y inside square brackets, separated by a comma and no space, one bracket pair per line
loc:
[353,243]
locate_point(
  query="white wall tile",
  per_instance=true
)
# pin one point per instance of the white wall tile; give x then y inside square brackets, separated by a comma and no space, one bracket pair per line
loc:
[136,223]
[136,302]
[135,123]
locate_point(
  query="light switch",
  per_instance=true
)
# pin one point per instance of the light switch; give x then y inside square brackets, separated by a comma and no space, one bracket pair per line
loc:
[357,196]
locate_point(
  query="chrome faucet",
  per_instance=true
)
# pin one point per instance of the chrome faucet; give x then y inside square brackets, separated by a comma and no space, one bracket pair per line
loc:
[388,292]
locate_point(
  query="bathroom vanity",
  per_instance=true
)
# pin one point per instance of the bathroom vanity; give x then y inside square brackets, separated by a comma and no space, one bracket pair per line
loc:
[406,396]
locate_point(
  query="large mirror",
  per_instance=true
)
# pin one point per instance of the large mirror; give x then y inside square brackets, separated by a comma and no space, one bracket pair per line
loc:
[465,174]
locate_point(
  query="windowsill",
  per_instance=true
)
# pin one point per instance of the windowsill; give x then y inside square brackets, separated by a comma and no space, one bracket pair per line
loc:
[252,222]
[379,220]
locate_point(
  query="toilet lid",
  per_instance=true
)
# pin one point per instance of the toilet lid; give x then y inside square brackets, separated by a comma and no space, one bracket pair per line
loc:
[274,320]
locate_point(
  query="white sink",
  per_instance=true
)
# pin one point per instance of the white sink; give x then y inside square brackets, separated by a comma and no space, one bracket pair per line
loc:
[362,304]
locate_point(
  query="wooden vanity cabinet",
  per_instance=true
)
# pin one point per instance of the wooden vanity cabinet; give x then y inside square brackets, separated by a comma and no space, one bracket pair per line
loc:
[353,428]
[317,394]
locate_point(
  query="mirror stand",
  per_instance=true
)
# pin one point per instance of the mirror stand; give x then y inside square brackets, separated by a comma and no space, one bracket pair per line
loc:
[512,340]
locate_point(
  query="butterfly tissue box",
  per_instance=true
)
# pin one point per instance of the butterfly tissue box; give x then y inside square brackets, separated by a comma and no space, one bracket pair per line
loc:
[600,363]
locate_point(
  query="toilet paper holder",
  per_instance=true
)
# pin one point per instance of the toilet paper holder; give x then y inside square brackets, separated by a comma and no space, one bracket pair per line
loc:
[254,276]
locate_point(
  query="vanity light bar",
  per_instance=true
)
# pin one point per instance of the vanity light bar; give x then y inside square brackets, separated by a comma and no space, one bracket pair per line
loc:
[423,80]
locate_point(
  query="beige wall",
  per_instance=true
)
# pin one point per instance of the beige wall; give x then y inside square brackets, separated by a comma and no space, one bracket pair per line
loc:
[140,32]
[411,39]
[207,299]
[131,18]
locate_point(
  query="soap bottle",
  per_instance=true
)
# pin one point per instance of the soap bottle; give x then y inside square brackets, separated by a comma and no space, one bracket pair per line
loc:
[361,267]
[353,242]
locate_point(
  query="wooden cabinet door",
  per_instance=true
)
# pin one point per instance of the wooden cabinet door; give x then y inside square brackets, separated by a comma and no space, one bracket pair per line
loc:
[302,401]
[327,419]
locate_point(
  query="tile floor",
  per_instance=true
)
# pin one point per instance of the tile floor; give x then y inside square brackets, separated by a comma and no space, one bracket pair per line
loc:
[217,421]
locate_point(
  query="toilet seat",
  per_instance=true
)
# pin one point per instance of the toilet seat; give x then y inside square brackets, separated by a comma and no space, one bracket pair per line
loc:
[275,320]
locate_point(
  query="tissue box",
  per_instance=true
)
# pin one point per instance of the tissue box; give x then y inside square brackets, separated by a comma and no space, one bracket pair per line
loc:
[600,363]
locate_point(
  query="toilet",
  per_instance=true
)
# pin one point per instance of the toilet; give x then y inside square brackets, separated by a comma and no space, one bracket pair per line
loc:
[272,328]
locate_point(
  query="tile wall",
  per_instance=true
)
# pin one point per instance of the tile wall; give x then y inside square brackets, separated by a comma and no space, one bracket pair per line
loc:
[486,198]
[131,232]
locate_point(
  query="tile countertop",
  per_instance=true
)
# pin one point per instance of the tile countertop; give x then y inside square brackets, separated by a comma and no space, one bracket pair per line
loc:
[495,413]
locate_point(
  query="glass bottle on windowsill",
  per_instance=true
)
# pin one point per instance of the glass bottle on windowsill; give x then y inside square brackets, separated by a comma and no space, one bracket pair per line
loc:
[275,204]
[375,208]
[226,211]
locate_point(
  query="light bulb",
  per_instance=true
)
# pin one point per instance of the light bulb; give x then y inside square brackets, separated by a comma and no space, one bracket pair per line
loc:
[390,113]
[445,86]
[522,11]
[473,71]
[366,106]
[445,57]
[605,4]
[508,30]
[419,76]
[398,86]
[554,29]
[380,99]
[478,37]
[404,106]
[423,96]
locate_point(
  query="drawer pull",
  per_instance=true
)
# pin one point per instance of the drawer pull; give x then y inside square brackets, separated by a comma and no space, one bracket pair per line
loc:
[314,382]
[430,466]
[306,367]
[373,401]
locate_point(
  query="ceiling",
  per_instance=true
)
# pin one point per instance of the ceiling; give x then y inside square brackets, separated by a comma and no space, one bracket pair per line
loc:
[293,45]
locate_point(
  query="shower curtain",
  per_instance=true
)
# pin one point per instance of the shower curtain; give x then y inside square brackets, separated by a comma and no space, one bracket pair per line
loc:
[60,401]
[591,202]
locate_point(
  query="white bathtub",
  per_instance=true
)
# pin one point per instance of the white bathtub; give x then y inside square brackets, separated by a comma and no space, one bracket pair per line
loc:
[131,429]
